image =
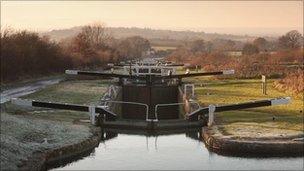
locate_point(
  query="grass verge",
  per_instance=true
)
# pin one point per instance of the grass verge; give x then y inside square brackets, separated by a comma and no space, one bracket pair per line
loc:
[288,118]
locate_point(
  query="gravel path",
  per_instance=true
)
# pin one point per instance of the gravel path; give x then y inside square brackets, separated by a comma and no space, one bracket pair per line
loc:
[6,95]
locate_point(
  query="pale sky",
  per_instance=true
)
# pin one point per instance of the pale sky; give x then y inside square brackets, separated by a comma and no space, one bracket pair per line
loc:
[251,17]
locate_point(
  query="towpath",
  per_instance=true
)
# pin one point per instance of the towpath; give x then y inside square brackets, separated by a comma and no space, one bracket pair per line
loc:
[19,91]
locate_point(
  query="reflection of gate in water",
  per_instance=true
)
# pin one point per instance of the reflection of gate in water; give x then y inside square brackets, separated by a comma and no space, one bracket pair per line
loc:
[151,95]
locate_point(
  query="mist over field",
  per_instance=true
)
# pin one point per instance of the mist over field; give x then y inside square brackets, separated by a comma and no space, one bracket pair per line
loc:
[122,32]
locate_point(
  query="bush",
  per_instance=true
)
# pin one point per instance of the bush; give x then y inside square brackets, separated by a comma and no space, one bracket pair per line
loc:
[24,53]
[292,82]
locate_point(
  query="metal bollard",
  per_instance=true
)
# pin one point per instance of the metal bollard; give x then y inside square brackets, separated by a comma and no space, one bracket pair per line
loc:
[92,114]
[211,115]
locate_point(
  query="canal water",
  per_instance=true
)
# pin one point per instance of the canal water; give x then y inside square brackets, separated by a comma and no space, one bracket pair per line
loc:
[170,152]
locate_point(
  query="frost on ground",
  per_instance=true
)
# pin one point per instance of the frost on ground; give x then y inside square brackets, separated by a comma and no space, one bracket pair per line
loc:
[21,136]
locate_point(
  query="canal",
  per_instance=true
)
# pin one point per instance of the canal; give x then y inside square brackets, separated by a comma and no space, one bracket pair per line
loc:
[183,151]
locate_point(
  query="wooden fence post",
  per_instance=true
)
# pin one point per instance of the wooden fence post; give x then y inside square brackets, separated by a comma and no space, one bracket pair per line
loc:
[264,85]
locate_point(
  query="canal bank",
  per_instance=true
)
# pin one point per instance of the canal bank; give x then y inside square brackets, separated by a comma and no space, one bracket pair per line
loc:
[177,151]
[27,142]
[33,138]
[77,154]
[270,131]
[248,145]
[61,156]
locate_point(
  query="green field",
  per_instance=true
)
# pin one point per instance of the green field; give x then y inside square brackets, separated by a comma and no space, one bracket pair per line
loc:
[287,117]
[84,92]
[208,91]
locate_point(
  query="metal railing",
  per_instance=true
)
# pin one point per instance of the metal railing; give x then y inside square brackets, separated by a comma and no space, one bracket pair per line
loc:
[134,103]
[172,104]
[147,106]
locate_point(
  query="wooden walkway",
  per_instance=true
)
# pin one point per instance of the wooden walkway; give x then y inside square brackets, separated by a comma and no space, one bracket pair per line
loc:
[160,125]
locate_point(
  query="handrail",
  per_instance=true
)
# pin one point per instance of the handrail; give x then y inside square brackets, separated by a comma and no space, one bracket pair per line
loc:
[134,103]
[172,104]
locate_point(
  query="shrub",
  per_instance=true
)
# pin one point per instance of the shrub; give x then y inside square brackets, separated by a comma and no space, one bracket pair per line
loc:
[24,53]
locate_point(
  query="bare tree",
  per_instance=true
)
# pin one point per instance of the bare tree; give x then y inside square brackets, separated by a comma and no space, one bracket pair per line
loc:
[133,47]
[95,35]
[229,45]
[261,43]
[224,44]
[250,49]
[198,46]
[291,40]
[209,47]
[6,31]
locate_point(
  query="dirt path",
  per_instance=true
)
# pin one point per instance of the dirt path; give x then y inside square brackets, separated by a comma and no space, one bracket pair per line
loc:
[7,94]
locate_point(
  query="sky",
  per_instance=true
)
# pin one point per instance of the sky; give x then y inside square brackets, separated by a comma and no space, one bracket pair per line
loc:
[232,17]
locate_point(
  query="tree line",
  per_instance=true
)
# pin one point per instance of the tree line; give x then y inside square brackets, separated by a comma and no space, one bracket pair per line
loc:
[25,54]
[291,40]
[280,59]
[258,57]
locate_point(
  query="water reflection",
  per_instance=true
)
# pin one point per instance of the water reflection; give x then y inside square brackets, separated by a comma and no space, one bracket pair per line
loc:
[162,150]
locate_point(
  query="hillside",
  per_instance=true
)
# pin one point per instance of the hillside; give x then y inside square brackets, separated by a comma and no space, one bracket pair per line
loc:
[151,34]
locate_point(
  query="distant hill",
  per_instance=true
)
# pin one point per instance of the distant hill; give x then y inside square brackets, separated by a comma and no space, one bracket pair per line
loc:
[151,34]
